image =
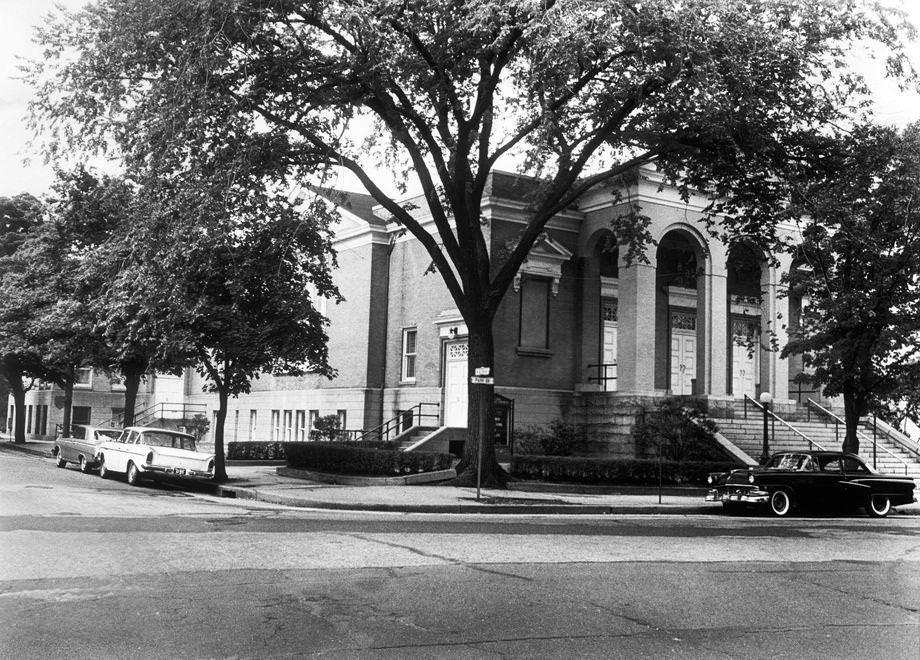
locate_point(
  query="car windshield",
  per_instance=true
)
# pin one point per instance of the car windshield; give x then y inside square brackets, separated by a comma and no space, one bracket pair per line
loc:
[794,462]
[163,439]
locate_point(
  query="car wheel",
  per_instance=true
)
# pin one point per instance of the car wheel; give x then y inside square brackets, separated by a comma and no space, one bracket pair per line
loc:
[60,462]
[134,476]
[878,506]
[84,466]
[103,470]
[780,503]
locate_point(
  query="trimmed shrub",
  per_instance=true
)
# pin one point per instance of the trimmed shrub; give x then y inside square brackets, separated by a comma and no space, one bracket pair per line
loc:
[560,439]
[624,471]
[683,433]
[348,458]
[254,451]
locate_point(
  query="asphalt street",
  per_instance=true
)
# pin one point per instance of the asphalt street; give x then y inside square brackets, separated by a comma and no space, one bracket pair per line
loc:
[97,568]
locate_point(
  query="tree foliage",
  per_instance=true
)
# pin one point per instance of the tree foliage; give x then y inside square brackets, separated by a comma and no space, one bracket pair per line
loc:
[714,92]
[859,271]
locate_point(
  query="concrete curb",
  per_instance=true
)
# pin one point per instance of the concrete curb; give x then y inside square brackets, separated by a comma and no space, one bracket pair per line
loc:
[34,451]
[348,480]
[537,509]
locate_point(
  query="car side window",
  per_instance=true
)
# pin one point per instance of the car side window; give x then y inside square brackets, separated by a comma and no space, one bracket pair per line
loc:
[854,466]
[832,465]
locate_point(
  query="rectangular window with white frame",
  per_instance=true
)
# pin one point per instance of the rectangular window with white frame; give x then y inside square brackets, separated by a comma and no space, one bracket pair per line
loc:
[301,425]
[312,416]
[83,378]
[288,426]
[276,426]
[409,339]
[253,420]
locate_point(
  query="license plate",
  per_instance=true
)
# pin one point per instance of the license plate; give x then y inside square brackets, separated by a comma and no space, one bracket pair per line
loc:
[179,471]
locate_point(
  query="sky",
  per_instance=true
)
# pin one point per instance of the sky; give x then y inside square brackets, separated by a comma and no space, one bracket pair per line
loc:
[23,171]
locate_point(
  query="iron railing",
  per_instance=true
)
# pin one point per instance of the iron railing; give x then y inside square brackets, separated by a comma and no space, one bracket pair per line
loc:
[400,423]
[875,445]
[603,373]
[175,411]
[776,418]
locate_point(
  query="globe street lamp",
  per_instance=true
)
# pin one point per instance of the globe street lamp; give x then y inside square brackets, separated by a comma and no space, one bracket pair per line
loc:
[765,399]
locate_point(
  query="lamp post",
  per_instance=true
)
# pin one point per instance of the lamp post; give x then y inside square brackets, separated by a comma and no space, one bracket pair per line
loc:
[765,399]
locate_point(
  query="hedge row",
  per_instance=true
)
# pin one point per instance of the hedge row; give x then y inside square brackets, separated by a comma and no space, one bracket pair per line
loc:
[347,458]
[637,471]
[254,451]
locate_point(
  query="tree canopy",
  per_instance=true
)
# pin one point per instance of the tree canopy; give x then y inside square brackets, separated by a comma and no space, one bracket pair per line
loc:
[858,271]
[715,93]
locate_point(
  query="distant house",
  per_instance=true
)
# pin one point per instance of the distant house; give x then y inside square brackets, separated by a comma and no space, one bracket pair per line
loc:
[579,327]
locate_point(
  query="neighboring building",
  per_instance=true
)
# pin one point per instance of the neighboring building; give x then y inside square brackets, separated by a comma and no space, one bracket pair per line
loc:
[580,327]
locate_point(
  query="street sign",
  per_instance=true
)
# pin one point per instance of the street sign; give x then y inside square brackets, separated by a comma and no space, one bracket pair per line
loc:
[483,371]
[482,380]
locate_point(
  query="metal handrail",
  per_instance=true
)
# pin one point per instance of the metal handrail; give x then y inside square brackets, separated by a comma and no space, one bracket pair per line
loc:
[382,432]
[905,442]
[602,369]
[865,437]
[783,422]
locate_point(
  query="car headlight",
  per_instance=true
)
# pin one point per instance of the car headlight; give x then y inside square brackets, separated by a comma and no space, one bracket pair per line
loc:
[149,458]
[709,479]
[750,478]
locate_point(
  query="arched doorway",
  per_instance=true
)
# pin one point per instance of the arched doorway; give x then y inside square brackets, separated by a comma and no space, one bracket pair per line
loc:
[745,282]
[607,254]
[678,312]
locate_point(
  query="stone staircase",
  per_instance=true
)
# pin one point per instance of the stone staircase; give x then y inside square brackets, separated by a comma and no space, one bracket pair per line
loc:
[746,433]
[413,435]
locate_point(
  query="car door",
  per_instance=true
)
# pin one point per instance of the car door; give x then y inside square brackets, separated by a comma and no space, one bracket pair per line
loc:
[856,489]
[827,484]
[116,457]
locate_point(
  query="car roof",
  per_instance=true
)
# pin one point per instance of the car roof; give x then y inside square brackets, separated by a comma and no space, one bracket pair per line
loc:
[815,452]
[141,429]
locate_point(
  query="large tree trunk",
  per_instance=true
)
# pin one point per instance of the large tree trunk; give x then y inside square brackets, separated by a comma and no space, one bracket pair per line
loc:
[19,402]
[220,469]
[132,376]
[480,414]
[854,407]
[68,401]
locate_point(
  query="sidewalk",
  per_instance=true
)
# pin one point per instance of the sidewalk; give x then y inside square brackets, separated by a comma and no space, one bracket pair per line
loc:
[262,482]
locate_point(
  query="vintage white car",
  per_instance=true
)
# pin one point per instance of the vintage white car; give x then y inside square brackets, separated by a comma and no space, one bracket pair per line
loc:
[82,445]
[153,452]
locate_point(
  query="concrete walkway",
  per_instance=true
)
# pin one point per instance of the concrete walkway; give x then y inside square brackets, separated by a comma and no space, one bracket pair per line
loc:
[262,482]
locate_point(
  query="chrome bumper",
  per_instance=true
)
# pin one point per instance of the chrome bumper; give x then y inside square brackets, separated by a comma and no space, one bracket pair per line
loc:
[178,472]
[743,496]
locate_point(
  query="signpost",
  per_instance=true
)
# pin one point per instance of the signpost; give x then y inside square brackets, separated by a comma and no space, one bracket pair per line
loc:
[482,377]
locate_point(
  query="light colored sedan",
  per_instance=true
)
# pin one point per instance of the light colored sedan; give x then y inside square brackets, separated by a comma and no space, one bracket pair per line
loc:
[82,446]
[153,452]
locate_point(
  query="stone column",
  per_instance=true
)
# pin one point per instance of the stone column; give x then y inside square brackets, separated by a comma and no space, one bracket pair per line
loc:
[636,338]
[774,374]
[713,356]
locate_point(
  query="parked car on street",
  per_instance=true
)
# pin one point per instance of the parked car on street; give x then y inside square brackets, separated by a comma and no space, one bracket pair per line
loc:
[82,445]
[811,479]
[142,452]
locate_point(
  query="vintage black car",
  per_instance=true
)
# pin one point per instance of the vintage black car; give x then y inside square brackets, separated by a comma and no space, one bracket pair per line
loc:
[811,479]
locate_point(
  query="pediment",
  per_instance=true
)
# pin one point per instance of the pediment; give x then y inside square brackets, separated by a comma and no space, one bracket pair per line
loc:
[545,259]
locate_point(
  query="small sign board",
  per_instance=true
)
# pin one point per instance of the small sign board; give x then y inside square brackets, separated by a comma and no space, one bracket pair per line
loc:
[482,380]
[483,371]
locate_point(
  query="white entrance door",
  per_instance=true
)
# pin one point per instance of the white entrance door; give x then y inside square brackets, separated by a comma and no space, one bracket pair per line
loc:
[744,369]
[683,362]
[609,348]
[455,388]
